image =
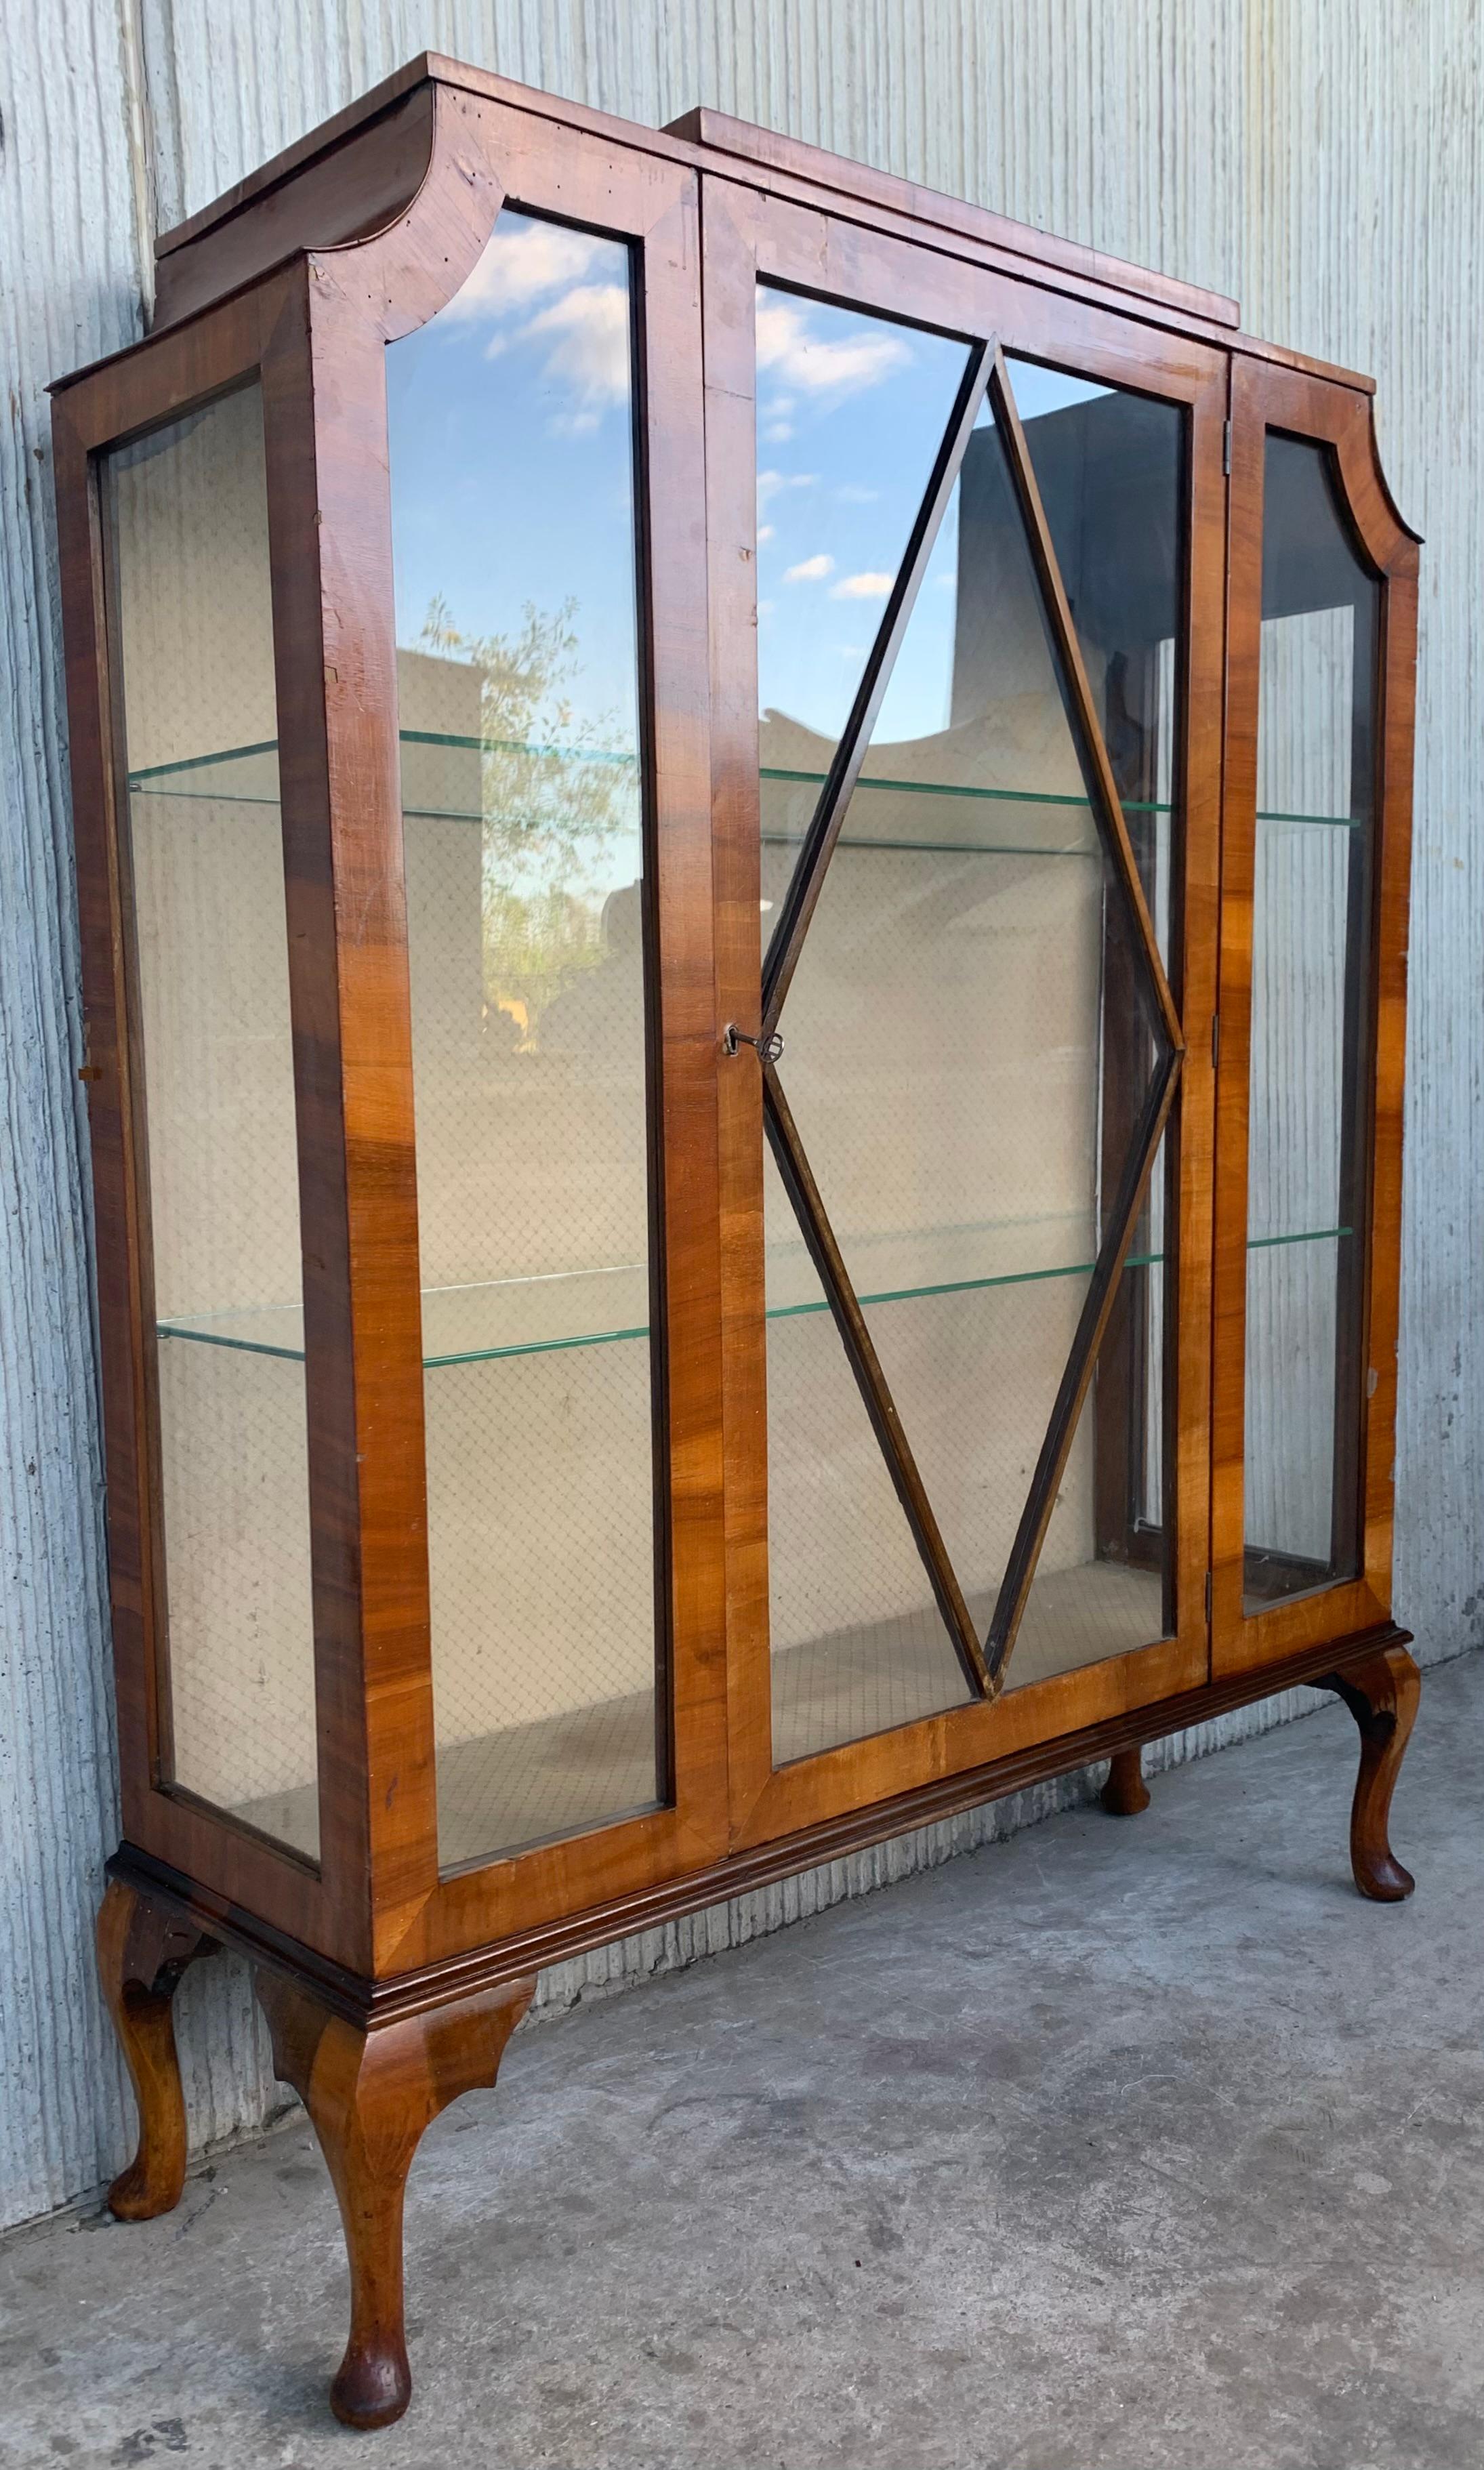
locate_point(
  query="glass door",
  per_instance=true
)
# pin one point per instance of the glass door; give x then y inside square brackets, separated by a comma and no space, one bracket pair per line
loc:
[955,861]
[544,434]
[530,943]
[1314,881]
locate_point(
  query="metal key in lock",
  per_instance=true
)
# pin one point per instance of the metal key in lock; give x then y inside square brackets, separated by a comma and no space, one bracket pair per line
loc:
[767,1049]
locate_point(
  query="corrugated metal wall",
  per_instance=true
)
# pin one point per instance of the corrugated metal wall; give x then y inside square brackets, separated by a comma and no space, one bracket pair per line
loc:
[1319,158]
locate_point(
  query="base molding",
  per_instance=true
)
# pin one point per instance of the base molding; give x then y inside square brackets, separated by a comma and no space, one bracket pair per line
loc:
[368,2002]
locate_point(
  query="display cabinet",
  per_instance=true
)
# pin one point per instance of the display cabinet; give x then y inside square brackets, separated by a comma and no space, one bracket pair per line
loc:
[743,851]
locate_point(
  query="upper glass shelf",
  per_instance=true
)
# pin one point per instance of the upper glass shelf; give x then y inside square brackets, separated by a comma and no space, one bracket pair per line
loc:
[1320,822]
[933,816]
[250,774]
[240,773]
[899,1267]
[601,1307]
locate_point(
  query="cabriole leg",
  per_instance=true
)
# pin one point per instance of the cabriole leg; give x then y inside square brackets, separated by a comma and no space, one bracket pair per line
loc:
[370,2092]
[1381,1692]
[143,1948]
[1126,1792]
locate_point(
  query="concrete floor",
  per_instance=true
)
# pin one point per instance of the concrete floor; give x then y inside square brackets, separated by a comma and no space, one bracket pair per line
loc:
[1123,2143]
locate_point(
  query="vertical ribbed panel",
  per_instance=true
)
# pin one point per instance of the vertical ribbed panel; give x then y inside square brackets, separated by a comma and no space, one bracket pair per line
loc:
[1320,159]
[69,244]
[71,196]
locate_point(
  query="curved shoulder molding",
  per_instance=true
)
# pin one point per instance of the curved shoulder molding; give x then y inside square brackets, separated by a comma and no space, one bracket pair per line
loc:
[409,269]
[404,200]
[397,242]
[1344,420]
[348,192]
[481,152]
[1389,542]
[1384,485]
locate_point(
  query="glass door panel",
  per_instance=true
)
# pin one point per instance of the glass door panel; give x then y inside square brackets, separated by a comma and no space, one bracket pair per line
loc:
[851,414]
[858,1642]
[1308,1108]
[977,1053]
[511,428]
[1110,466]
[188,569]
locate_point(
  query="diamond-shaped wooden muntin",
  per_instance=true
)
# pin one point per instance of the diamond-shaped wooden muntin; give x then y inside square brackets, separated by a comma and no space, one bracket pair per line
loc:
[983,1661]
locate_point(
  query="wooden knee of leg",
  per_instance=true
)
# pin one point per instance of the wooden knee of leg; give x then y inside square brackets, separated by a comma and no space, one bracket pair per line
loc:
[144,1946]
[370,2091]
[1381,1691]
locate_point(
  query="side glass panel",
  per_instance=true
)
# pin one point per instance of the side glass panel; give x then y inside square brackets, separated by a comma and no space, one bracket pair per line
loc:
[186,514]
[511,428]
[1310,1036]
[971,1051]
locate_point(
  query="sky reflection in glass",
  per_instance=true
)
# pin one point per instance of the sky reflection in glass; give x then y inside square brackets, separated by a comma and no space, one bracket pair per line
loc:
[850,412]
[511,434]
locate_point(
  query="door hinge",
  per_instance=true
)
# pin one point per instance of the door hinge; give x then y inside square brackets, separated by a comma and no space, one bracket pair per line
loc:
[1216,1041]
[1227,446]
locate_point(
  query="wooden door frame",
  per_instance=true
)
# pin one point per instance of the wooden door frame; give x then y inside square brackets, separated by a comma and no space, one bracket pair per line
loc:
[749,236]
[1330,414]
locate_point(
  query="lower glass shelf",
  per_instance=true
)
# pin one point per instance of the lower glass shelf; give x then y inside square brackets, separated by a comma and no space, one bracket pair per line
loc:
[538,1315]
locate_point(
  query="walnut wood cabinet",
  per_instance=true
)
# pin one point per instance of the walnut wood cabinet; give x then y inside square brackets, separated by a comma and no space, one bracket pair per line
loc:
[742,846]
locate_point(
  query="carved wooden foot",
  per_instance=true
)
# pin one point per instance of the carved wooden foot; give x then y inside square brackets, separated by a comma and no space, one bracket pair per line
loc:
[370,2092]
[143,1949]
[1381,1694]
[1126,1792]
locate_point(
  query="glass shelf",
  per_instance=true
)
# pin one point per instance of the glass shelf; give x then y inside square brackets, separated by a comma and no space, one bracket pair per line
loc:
[244,774]
[467,1324]
[242,756]
[1320,822]
[567,1308]
[249,774]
